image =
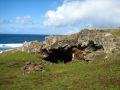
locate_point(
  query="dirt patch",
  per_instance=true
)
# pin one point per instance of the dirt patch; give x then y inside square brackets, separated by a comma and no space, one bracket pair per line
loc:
[16,64]
[111,81]
[25,87]
[5,82]
[2,63]
[11,77]
[39,81]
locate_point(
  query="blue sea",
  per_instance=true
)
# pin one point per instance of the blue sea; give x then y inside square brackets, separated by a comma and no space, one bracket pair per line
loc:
[11,41]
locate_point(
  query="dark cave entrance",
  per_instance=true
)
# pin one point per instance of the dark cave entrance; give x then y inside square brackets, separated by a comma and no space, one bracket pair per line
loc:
[60,54]
[94,47]
[64,54]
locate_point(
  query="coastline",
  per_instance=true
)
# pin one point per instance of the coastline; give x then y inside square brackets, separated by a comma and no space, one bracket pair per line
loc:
[13,41]
[12,45]
[9,47]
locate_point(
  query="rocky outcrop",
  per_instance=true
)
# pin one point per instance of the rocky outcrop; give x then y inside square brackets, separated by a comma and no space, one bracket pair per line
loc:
[99,37]
[83,45]
[59,41]
[31,47]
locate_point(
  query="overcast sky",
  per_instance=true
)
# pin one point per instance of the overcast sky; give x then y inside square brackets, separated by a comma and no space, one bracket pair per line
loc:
[57,16]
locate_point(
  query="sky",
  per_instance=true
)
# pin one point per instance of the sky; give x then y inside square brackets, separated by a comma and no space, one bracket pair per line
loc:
[58,17]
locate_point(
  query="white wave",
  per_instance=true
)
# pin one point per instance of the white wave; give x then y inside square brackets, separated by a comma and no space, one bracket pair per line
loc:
[16,45]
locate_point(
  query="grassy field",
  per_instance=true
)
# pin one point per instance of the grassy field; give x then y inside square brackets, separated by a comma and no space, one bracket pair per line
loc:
[71,76]
[115,32]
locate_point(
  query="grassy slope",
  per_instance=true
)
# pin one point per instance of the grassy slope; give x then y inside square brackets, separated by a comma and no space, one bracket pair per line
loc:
[115,32]
[72,76]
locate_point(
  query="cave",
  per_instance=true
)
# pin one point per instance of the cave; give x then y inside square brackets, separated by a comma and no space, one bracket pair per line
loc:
[64,54]
[93,47]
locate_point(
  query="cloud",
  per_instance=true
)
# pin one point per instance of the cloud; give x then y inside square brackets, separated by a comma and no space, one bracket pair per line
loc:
[23,20]
[103,13]
[17,20]
[3,21]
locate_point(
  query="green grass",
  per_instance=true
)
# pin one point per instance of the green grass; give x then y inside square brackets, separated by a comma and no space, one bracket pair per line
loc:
[14,55]
[115,32]
[71,76]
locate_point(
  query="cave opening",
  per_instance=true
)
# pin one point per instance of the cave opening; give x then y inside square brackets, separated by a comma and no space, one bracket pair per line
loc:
[94,47]
[64,54]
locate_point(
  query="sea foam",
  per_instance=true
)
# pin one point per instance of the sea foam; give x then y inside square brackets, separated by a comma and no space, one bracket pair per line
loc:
[10,46]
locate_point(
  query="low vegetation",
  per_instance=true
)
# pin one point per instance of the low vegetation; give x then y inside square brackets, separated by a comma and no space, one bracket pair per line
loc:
[115,32]
[71,76]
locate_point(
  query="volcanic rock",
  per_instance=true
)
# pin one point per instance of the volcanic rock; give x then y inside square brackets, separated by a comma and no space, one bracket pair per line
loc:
[31,47]
[81,46]
[30,67]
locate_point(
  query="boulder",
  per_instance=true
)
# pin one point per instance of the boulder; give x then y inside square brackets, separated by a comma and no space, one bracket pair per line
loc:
[78,54]
[89,57]
[31,47]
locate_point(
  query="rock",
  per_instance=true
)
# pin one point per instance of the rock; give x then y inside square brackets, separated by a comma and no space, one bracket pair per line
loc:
[92,39]
[1,52]
[42,54]
[78,54]
[100,38]
[30,67]
[97,55]
[89,57]
[82,46]
[86,43]
[59,41]
[31,47]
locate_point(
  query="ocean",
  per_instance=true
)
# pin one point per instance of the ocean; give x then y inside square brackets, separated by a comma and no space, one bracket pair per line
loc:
[11,41]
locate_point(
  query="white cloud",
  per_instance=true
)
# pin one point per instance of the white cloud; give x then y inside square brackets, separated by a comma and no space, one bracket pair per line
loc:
[23,20]
[96,12]
[17,20]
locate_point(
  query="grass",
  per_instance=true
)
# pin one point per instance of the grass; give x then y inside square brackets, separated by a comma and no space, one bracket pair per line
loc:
[115,32]
[71,76]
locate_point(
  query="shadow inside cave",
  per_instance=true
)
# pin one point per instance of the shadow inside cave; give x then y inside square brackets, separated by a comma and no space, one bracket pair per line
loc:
[64,54]
[59,55]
